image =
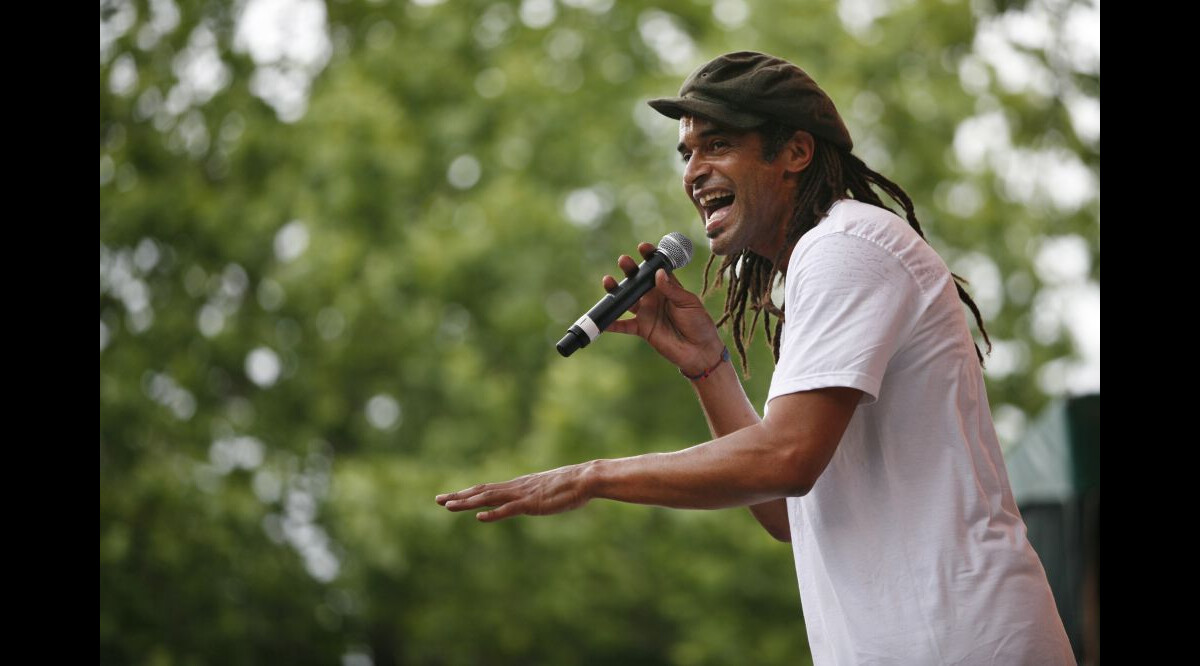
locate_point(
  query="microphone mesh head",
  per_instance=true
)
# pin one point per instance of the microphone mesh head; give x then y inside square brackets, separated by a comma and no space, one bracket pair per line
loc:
[677,248]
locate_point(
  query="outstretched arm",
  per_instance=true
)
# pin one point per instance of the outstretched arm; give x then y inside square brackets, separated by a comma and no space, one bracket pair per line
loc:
[781,456]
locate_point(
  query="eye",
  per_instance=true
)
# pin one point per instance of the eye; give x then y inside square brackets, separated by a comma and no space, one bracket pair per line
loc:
[685,157]
[719,144]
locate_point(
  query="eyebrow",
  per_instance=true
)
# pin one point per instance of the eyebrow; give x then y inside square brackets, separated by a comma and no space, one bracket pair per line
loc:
[681,149]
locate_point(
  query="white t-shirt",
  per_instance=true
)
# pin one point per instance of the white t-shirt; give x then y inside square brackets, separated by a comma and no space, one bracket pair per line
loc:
[909,548]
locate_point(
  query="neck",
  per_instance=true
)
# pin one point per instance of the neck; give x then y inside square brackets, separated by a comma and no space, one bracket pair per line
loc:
[769,253]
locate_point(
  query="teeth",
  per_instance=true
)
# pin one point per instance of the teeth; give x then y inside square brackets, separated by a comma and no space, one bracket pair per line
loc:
[707,198]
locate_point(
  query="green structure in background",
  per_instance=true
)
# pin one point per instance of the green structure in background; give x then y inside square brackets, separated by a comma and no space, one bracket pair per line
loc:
[1055,475]
[338,241]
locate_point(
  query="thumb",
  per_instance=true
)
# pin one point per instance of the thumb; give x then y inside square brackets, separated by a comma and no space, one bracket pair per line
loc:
[670,287]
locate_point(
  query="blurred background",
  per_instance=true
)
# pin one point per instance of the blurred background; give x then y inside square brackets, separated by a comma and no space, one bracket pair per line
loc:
[338,241]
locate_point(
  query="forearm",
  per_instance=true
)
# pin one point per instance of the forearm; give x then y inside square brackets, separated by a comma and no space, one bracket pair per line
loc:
[743,468]
[726,406]
[727,409]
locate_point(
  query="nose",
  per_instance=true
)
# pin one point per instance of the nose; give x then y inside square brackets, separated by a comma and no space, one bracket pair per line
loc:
[695,170]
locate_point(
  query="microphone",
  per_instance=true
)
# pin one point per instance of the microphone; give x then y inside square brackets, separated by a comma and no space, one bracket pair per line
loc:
[674,251]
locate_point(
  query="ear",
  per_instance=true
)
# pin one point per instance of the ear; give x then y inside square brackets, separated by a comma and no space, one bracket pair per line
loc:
[798,152]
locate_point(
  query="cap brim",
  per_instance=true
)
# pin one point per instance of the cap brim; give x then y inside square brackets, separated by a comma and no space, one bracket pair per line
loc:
[677,107]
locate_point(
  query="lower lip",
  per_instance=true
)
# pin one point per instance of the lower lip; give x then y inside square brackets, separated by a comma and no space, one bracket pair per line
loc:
[714,222]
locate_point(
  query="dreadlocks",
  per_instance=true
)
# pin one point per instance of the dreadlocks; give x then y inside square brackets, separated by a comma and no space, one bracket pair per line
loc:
[832,174]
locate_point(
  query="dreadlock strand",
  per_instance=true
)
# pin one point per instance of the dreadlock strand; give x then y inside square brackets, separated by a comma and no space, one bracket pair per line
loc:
[738,322]
[708,265]
[966,298]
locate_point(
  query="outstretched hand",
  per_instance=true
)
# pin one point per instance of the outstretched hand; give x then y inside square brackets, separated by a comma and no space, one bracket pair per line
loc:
[541,494]
[671,318]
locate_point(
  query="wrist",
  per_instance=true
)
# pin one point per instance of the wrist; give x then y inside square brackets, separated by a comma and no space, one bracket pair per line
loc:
[593,478]
[706,370]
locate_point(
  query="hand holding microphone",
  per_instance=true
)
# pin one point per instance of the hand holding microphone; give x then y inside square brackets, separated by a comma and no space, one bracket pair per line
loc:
[671,318]
[674,251]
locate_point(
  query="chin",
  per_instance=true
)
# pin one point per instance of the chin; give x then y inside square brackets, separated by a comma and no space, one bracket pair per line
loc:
[718,247]
[721,243]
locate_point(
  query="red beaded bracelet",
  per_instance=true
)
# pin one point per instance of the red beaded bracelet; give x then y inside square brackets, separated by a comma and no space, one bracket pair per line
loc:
[696,378]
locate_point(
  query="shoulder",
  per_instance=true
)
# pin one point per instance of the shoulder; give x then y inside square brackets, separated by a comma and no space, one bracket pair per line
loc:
[855,232]
[873,224]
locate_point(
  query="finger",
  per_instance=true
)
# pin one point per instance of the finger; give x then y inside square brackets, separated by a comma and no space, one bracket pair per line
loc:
[627,265]
[501,512]
[674,280]
[457,505]
[626,326]
[494,497]
[669,288]
[461,494]
[610,285]
[646,250]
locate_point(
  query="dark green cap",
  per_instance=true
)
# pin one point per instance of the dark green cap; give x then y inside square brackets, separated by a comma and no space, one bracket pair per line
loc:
[746,89]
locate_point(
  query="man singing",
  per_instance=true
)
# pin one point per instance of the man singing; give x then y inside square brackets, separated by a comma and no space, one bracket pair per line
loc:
[876,456]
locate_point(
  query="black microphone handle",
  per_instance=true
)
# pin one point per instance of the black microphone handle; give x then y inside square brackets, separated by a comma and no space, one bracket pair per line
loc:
[613,305]
[610,308]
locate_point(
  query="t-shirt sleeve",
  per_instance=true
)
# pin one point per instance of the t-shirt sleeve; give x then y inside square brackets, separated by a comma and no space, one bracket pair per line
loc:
[850,305]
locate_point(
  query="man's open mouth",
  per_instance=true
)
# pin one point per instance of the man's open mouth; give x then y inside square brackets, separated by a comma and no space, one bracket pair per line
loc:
[713,202]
